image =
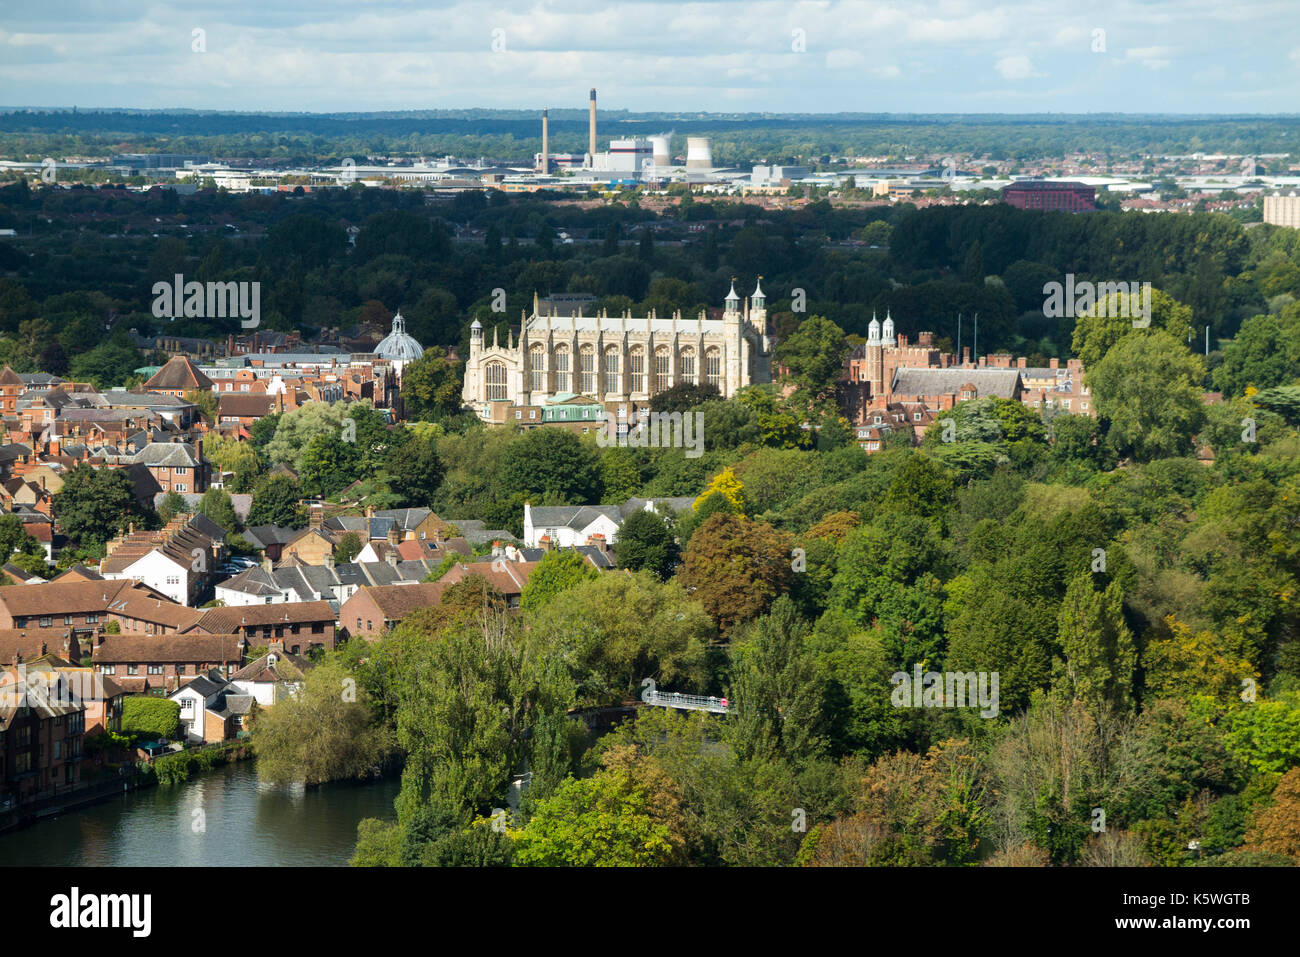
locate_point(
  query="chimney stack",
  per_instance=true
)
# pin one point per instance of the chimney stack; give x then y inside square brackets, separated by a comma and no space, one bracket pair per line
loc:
[592,124]
[546,144]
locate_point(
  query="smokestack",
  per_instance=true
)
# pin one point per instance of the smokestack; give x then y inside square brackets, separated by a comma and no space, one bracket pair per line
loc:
[546,144]
[592,124]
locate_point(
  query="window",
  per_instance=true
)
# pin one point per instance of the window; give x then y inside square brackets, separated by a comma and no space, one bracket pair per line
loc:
[67,619]
[132,669]
[369,624]
[358,624]
[713,367]
[686,365]
[562,369]
[179,470]
[180,486]
[155,669]
[107,669]
[46,622]
[587,371]
[611,370]
[636,365]
[537,368]
[187,704]
[92,619]
[663,375]
[495,376]
[519,413]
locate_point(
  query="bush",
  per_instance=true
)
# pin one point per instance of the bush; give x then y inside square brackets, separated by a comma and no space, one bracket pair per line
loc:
[151,717]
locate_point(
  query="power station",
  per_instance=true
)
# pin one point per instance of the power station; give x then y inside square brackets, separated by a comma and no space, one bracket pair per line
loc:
[634,158]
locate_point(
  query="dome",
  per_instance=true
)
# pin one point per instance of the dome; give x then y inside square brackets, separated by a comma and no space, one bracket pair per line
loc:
[398,346]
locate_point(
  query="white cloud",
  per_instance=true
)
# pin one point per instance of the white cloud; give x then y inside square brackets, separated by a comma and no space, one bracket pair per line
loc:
[1016,68]
[1153,58]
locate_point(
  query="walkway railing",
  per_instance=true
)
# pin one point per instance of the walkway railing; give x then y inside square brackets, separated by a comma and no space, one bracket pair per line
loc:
[686,702]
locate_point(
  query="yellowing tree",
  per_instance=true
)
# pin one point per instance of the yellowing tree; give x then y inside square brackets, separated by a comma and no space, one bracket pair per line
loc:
[1188,663]
[729,487]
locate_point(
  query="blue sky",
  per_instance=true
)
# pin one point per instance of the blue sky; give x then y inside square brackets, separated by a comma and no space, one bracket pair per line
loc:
[1181,56]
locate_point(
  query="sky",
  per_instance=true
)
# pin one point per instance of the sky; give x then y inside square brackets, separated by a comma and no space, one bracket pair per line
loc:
[960,56]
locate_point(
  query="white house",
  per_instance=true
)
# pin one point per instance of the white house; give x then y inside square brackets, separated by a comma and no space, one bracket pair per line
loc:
[272,677]
[175,578]
[212,709]
[565,526]
[570,526]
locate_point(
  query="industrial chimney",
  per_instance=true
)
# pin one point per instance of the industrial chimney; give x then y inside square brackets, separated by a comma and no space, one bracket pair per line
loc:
[546,153]
[592,123]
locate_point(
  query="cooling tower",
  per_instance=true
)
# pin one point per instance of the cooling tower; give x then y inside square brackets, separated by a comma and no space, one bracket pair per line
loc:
[591,148]
[699,154]
[663,157]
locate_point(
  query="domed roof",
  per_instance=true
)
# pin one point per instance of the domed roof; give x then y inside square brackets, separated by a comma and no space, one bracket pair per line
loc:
[398,345]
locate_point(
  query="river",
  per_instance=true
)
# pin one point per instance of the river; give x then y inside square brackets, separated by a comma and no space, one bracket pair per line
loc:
[244,821]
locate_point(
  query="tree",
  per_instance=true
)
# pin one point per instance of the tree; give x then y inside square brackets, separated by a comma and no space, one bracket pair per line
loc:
[216,505]
[814,353]
[1098,328]
[735,567]
[551,462]
[327,465]
[628,815]
[1264,353]
[777,689]
[95,504]
[1149,389]
[173,504]
[1189,662]
[232,455]
[277,502]
[1100,655]
[431,385]
[348,547]
[726,485]
[414,471]
[646,541]
[108,364]
[616,630]
[557,572]
[15,539]
[325,732]
[684,396]
[1277,827]
[151,717]
[620,474]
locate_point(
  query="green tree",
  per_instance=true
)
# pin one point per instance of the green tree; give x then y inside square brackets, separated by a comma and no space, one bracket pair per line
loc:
[325,732]
[554,463]
[646,541]
[216,505]
[557,572]
[15,539]
[1099,652]
[1149,389]
[432,384]
[95,504]
[414,471]
[814,353]
[776,689]
[277,501]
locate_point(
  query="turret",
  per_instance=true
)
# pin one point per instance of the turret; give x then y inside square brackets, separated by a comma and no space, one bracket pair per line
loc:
[873,331]
[732,302]
[887,330]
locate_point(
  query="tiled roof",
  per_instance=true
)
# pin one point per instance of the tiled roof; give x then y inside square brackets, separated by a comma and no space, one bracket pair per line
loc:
[225,620]
[191,648]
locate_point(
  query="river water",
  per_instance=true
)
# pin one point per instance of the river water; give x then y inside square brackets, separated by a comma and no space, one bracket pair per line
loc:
[220,818]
